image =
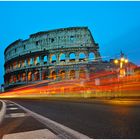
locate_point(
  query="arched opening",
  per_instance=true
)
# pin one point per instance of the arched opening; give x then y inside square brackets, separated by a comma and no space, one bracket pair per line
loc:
[91,56]
[31,61]
[19,64]
[44,75]
[82,74]
[72,57]
[45,59]
[14,79]
[23,63]
[72,74]
[11,79]
[36,75]
[15,65]
[37,60]
[62,74]
[24,77]
[18,77]
[82,57]
[30,76]
[62,57]
[53,75]
[28,61]
[53,58]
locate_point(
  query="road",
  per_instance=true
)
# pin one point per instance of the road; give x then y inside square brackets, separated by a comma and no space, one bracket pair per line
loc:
[96,119]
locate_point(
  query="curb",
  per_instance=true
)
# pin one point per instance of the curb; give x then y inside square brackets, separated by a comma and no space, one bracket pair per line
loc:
[2,111]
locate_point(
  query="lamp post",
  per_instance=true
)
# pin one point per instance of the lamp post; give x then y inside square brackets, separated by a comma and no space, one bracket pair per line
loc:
[121,62]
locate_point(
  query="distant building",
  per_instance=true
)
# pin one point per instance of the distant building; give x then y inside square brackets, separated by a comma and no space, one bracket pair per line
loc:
[67,53]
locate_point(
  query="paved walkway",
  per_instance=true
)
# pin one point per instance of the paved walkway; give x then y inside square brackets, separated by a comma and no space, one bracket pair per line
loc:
[22,123]
[18,124]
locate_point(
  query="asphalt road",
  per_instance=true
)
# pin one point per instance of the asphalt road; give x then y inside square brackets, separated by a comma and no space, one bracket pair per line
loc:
[96,120]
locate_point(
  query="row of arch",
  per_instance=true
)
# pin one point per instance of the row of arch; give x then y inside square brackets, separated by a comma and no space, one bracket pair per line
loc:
[43,75]
[72,56]
[53,58]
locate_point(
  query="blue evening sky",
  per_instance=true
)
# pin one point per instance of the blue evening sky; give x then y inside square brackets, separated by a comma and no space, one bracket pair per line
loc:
[114,25]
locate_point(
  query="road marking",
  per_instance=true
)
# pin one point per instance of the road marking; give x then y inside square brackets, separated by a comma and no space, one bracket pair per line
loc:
[61,130]
[2,111]
[10,105]
[36,134]
[16,115]
[12,108]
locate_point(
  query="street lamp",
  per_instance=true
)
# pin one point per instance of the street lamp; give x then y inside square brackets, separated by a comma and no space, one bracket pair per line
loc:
[121,63]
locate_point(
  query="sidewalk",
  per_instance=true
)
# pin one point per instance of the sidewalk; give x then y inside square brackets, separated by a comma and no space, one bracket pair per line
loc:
[18,124]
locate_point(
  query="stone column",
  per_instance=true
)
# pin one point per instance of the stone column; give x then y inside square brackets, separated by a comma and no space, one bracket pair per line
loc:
[26,79]
[57,59]
[57,74]
[32,77]
[20,77]
[49,59]
[87,57]
[67,57]
[33,60]
[41,60]
[25,63]
[77,74]
[17,64]
[87,74]
[97,56]
[40,74]
[67,74]
[77,57]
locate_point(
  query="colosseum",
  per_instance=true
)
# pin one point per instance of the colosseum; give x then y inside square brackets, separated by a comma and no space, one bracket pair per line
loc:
[59,54]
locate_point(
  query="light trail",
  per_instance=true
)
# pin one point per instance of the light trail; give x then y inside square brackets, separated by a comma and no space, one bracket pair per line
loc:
[109,83]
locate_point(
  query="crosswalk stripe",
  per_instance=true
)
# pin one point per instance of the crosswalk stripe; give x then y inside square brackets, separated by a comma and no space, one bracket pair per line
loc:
[16,115]
[12,108]
[36,134]
[11,105]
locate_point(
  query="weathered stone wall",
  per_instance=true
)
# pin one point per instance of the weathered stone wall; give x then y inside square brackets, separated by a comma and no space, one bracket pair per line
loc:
[56,54]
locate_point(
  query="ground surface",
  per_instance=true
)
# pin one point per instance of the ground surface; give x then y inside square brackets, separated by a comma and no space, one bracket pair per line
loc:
[94,119]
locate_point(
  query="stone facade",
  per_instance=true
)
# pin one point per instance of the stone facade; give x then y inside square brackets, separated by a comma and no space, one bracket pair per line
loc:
[59,54]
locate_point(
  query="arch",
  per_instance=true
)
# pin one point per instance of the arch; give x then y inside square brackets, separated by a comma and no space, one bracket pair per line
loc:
[18,77]
[23,76]
[72,57]
[31,61]
[45,59]
[53,75]
[30,76]
[53,58]
[82,74]
[44,75]
[15,79]
[22,63]
[72,74]
[15,65]
[36,75]
[82,56]
[11,79]
[91,56]
[62,74]
[62,57]
[18,63]
[37,60]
